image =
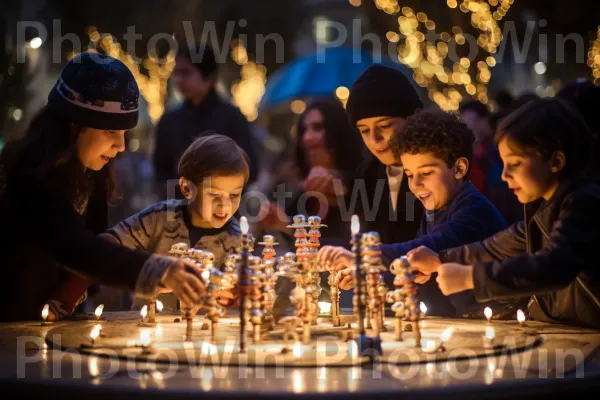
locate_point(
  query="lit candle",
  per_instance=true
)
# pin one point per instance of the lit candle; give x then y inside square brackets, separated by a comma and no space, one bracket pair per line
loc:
[243,282]
[355,229]
[144,312]
[94,334]
[488,314]
[324,307]
[521,317]
[45,311]
[98,327]
[297,350]
[446,335]
[98,311]
[159,306]
[423,308]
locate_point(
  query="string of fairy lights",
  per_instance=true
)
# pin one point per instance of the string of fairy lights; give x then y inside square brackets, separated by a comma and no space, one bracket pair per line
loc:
[249,90]
[447,82]
[593,60]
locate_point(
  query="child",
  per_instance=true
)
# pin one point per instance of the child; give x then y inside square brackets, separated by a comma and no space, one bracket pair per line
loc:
[435,149]
[212,173]
[54,192]
[549,158]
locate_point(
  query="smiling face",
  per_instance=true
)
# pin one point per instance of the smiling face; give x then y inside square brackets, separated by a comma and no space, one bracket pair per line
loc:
[96,147]
[431,180]
[215,200]
[376,132]
[529,176]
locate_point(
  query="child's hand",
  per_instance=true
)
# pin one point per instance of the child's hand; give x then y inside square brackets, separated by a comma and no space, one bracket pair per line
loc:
[183,278]
[453,278]
[345,278]
[423,261]
[337,256]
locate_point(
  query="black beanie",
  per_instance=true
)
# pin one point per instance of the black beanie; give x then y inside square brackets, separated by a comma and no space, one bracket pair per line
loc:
[382,91]
[96,91]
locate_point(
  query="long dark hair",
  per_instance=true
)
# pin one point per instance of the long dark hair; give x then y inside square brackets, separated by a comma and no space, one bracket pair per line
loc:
[341,138]
[547,125]
[47,153]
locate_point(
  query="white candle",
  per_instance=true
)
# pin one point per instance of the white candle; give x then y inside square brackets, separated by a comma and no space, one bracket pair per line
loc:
[244,225]
[144,312]
[45,311]
[354,224]
[94,334]
[488,314]
[159,306]
[98,311]
[297,350]
[423,308]
[521,317]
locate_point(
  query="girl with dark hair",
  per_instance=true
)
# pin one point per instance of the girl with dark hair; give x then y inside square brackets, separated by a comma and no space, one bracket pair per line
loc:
[54,190]
[550,157]
[327,150]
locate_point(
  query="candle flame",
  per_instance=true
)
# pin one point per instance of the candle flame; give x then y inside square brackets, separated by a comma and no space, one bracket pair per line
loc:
[520,316]
[144,311]
[159,306]
[98,311]
[98,327]
[205,274]
[447,334]
[488,312]
[354,224]
[244,225]
[324,307]
[45,311]
[95,332]
[423,308]
[490,333]
[145,337]
[297,350]
[208,348]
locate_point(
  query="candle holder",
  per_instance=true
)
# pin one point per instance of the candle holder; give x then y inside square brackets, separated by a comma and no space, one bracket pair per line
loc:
[244,283]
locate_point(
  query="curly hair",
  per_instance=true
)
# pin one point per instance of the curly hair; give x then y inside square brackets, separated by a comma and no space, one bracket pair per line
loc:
[437,132]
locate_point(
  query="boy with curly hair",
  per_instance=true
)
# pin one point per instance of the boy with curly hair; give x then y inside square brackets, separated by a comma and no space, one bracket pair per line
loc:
[435,149]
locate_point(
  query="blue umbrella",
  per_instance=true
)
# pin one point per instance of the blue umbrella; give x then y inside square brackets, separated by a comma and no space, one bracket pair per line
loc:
[320,74]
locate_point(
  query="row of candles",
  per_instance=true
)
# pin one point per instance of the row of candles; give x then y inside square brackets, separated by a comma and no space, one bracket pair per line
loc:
[100,308]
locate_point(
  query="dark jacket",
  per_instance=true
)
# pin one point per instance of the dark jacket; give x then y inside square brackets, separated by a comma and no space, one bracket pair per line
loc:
[179,127]
[467,218]
[551,256]
[371,194]
[42,237]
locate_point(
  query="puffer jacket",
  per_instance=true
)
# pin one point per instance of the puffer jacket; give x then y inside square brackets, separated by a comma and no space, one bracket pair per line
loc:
[551,256]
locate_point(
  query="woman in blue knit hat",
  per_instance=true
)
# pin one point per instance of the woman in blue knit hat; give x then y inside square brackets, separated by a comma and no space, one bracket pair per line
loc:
[55,185]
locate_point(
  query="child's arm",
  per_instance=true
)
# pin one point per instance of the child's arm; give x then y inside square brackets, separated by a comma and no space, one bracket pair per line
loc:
[467,225]
[572,247]
[134,232]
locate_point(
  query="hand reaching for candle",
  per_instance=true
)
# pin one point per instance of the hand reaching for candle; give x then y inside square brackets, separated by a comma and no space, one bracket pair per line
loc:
[184,279]
[424,262]
[336,256]
[453,278]
[345,278]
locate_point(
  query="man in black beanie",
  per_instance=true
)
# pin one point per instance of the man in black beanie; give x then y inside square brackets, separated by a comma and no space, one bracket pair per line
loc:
[202,111]
[379,102]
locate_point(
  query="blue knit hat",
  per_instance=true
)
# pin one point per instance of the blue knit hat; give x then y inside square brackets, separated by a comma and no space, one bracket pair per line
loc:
[96,91]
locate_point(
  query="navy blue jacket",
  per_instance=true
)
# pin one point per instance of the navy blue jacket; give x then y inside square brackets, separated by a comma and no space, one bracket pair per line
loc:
[469,217]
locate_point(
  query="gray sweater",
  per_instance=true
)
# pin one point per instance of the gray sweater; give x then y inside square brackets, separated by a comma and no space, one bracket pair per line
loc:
[163,224]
